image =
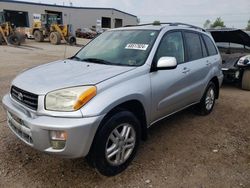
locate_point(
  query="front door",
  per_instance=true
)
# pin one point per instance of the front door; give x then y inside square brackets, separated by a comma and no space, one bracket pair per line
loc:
[170,87]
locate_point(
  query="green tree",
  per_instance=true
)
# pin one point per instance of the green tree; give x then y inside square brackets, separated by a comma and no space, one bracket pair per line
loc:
[248,26]
[207,24]
[218,23]
[156,22]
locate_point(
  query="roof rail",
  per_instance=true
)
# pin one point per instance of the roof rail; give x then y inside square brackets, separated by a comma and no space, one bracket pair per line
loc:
[170,24]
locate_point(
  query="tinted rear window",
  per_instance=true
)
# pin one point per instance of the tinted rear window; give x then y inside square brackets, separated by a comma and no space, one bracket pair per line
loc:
[210,46]
[193,43]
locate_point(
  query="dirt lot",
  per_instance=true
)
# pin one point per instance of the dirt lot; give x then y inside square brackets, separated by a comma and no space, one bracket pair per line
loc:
[184,150]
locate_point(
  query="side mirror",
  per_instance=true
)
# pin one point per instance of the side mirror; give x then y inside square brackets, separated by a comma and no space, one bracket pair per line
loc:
[165,63]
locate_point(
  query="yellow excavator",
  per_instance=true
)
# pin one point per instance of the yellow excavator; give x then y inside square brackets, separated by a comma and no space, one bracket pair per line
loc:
[8,33]
[47,27]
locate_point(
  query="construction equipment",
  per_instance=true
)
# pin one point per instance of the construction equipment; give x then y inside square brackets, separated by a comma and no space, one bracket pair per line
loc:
[8,33]
[48,27]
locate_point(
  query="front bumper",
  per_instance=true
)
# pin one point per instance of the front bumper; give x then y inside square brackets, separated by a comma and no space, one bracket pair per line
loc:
[35,130]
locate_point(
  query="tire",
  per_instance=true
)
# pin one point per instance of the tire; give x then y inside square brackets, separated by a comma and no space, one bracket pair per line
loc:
[207,102]
[72,40]
[108,139]
[38,36]
[55,38]
[14,39]
[245,82]
[20,36]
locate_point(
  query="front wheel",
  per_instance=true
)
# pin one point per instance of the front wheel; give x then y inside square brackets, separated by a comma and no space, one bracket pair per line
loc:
[55,38]
[115,144]
[207,102]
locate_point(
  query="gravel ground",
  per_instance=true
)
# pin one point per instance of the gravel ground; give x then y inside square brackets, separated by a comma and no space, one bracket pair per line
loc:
[184,150]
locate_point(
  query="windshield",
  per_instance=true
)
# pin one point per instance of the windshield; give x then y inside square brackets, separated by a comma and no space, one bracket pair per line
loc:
[121,47]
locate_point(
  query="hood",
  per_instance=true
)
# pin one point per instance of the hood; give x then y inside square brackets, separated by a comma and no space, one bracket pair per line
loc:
[229,60]
[230,35]
[62,74]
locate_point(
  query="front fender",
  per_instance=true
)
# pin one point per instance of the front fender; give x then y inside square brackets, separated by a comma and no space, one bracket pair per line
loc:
[137,88]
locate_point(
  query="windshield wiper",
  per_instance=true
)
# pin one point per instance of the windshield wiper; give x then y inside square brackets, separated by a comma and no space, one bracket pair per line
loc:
[95,60]
[75,58]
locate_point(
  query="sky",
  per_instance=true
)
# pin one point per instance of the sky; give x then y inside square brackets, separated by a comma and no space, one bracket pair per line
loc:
[235,13]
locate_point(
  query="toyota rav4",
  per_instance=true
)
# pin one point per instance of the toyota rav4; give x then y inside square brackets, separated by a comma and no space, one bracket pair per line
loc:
[99,103]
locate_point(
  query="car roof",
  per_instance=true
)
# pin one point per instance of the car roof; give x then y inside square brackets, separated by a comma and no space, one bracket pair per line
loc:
[160,26]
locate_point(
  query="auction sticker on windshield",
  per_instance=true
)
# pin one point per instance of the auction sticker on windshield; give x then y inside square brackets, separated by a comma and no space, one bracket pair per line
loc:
[134,46]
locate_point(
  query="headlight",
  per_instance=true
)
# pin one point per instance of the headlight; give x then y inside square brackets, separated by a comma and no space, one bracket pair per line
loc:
[69,99]
[243,61]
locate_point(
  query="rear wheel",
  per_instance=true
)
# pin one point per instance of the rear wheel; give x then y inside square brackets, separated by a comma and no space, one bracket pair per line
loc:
[14,39]
[207,102]
[115,144]
[72,40]
[38,36]
[245,83]
[55,38]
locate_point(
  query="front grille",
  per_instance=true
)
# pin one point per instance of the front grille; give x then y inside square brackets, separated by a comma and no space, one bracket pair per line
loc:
[26,98]
[19,128]
[20,133]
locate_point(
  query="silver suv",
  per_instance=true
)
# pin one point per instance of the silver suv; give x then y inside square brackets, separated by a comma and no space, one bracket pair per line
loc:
[100,102]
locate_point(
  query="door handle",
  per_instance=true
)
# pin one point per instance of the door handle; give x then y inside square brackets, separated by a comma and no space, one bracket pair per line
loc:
[208,63]
[185,70]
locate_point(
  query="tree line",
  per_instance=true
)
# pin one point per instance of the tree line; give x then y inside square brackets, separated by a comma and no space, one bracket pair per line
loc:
[219,23]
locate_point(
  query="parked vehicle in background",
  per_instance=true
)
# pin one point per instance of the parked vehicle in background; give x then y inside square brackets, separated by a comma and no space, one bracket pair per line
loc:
[8,33]
[26,32]
[48,27]
[234,46]
[100,102]
[85,33]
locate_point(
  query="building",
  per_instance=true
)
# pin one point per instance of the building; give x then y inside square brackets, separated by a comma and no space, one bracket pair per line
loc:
[22,14]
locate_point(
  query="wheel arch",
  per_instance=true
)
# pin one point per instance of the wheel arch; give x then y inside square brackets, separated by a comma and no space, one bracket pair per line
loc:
[215,80]
[134,106]
[35,29]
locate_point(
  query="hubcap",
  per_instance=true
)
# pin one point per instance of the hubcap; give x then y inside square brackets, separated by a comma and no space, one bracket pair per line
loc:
[120,144]
[210,98]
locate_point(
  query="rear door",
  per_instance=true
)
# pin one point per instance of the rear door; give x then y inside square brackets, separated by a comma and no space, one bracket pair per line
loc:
[199,65]
[214,59]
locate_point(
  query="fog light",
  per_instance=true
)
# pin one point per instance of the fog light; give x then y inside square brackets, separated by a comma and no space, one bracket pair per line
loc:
[58,144]
[58,139]
[237,74]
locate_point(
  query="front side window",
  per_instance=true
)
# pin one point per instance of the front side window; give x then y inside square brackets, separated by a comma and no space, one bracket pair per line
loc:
[120,47]
[194,48]
[210,45]
[171,46]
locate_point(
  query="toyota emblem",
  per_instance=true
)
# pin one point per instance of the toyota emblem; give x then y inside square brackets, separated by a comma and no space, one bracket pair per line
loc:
[20,96]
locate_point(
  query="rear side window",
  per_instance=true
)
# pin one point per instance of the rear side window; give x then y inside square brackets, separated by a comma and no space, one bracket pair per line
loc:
[210,46]
[193,44]
[171,46]
[204,50]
